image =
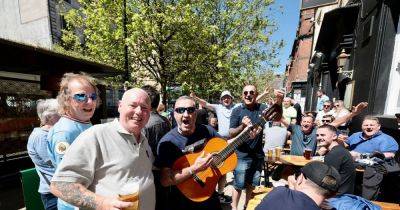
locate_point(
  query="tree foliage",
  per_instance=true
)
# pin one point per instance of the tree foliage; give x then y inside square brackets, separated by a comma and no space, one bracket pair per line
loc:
[205,46]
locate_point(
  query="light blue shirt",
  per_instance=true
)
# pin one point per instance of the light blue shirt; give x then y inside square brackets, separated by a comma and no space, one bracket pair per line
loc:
[60,137]
[223,115]
[321,101]
[37,151]
[379,142]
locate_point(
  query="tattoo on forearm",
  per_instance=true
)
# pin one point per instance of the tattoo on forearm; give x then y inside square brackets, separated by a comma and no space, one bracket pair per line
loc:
[76,194]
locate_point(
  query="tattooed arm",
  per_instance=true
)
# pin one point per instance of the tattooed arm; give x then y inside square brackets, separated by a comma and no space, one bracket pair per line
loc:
[77,195]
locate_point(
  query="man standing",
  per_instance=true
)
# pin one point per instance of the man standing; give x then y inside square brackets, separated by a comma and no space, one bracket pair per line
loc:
[155,129]
[289,113]
[223,111]
[338,157]
[77,99]
[316,182]
[250,154]
[174,145]
[158,125]
[104,157]
[47,111]
[321,99]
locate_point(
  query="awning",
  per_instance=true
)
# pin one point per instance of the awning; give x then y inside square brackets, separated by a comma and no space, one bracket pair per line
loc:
[338,22]
[21,58]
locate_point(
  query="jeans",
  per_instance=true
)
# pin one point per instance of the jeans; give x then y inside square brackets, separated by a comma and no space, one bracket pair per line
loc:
[49,201]
[247,171]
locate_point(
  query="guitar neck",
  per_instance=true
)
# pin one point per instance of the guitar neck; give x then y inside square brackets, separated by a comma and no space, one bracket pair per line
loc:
[239,140]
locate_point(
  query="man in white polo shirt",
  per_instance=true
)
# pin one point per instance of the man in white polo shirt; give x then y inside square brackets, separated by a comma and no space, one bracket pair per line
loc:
[104,157]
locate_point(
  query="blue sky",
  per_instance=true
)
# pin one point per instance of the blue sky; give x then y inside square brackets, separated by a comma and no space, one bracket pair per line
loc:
[287,22]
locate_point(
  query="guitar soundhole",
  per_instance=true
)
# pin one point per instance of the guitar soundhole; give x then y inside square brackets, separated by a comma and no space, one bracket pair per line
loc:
[217,161]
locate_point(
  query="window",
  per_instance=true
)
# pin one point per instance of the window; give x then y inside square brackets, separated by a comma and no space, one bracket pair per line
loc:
[393,94]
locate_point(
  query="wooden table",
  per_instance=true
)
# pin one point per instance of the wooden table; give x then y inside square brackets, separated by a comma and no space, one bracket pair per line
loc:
[289,160]
[387,206]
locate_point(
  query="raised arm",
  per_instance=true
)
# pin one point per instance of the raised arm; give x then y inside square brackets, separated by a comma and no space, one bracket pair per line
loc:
[262,95]
[202,102]
[77,195]
[356,110]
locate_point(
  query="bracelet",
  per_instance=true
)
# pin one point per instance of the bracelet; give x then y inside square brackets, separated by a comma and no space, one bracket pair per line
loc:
[190,171]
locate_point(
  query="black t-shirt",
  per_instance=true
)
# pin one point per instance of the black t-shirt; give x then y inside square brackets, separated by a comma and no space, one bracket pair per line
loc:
[251,148]
[340,158]
[155,129]
[282,198]
[169,150]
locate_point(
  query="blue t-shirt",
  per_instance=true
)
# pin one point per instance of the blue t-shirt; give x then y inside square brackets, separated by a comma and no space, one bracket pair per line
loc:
[320,102]
[169,150]
[252,148]
[60,137]
[378,142]
[282,198]
[37,151]
[300,141]
[224,115]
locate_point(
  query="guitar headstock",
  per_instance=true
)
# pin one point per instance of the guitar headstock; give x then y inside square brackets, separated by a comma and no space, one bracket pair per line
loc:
[273,113]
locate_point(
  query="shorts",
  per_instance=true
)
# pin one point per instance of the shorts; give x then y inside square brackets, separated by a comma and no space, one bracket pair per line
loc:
[247,171]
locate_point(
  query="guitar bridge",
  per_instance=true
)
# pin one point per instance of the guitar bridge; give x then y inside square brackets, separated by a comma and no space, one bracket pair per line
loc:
[198,180]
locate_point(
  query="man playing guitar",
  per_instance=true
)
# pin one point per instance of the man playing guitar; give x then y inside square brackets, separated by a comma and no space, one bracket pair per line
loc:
[174,145]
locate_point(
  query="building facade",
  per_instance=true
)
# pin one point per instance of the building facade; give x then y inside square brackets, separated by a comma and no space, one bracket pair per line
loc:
[34,22]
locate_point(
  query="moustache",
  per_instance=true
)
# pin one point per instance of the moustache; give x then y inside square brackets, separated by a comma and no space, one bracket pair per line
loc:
[249,97]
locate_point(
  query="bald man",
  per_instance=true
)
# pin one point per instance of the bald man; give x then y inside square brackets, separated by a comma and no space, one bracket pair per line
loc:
[104,157]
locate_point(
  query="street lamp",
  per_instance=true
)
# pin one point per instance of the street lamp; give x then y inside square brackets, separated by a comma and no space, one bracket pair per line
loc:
[341,60]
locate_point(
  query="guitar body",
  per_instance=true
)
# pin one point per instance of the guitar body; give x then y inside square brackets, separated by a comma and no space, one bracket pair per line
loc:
[199,191]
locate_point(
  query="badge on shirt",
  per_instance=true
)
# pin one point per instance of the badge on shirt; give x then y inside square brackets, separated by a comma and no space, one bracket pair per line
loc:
[61,147]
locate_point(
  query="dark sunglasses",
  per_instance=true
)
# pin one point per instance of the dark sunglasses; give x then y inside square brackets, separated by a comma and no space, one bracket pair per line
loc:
[83,98]
[182,110]
[251,92]
[327,105]
[328,121]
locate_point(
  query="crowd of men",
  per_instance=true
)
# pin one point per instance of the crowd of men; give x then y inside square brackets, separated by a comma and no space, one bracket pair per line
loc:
[86,166]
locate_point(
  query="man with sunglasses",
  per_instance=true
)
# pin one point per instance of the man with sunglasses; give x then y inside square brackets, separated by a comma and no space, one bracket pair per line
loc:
[321,99]
[185,138]
[106,157]
[307,189]
[326,110]
[78,99]
[250,154]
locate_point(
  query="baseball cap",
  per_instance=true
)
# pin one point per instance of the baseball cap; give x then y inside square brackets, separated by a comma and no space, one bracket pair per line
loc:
[323,175]
[226,93]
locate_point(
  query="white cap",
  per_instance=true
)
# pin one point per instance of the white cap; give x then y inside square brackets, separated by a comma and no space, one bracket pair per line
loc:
[226,93]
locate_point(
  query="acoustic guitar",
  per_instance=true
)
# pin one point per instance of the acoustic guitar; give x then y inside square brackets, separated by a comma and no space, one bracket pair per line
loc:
[202,185]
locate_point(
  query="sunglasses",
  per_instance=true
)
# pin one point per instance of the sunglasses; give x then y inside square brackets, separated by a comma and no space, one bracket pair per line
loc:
[83,98]
[326,121]
[327,105]
[182,110]
[251,92]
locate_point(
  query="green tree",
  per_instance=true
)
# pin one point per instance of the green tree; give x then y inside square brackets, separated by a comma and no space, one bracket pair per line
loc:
[206,46]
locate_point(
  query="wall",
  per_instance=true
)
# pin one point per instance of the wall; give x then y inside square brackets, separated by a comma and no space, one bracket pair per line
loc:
[25,21]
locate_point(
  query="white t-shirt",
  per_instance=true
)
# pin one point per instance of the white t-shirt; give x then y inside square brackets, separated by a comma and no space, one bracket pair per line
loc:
[104,157]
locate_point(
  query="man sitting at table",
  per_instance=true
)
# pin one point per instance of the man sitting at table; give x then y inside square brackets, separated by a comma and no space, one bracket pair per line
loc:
[316,182]
[373,176]
[337,156]
[371,139]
